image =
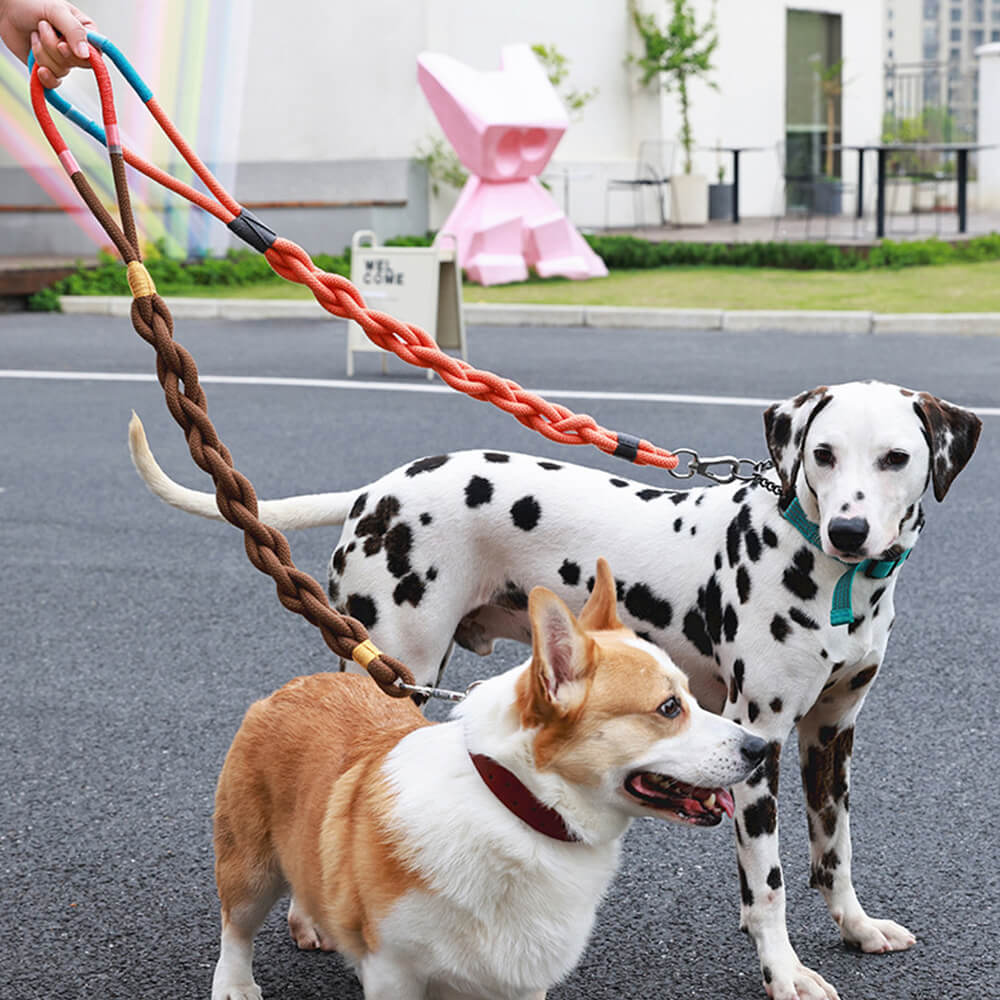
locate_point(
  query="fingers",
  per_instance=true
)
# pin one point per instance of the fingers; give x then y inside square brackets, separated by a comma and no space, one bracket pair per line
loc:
[72,24]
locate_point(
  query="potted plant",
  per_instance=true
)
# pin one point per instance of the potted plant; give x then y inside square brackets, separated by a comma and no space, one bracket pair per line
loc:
[673,57]
[720,196]
[828,191]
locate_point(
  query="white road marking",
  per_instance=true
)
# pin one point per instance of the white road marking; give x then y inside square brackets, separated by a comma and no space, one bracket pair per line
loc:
[419,387]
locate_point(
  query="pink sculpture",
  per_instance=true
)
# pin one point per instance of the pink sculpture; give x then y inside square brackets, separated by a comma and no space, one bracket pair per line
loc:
[504,126]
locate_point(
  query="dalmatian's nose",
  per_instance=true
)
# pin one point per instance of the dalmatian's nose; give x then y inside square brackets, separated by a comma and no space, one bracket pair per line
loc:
[848,533]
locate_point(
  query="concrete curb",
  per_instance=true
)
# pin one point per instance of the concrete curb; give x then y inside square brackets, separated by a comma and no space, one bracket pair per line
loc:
[604,317]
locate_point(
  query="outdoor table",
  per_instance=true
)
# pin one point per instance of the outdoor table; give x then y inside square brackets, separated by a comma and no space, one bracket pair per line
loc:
[883,149]
[735,152]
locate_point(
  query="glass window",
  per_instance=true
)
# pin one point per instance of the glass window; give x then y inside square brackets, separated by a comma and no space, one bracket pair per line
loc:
[956,34]
[956,13]
[995,35]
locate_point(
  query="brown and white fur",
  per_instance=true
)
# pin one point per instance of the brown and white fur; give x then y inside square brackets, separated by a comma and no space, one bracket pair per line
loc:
[397,853]
[445,549]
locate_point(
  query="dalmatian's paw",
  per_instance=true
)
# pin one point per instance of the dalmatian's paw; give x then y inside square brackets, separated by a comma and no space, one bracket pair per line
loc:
[876,936]
[800,983]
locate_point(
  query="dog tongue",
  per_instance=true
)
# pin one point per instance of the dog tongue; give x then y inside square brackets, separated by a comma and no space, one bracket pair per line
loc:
[725,800]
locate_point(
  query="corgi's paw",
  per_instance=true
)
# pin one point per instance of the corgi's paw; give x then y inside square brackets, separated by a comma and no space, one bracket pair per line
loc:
[305,933]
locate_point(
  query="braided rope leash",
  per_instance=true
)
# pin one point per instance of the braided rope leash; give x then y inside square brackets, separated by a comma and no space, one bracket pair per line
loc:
[266,547]
[334,293]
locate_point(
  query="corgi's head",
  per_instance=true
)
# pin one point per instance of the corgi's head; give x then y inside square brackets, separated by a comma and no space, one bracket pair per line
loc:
[613,719]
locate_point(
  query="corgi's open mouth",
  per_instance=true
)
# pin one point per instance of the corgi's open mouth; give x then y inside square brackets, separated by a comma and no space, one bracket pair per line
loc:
[688,803]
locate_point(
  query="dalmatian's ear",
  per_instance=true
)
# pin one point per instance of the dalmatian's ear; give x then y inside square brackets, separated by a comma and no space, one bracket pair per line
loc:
[952,434]
[785,428]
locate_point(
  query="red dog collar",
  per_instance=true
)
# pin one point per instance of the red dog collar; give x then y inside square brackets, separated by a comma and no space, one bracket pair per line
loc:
[513,793]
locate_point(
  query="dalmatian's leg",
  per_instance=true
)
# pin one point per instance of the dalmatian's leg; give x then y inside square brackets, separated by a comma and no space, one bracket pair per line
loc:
[762,884]
[826,740]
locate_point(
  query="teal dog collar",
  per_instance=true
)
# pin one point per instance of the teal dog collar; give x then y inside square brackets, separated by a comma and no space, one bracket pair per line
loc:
[841,610]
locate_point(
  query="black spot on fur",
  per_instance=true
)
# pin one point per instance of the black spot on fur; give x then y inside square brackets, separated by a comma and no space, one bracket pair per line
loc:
[776,705]
[768,975]
[478,491]
[743,584]
[753,710]
[745,893]
[797,577]
[410,588]
[570,573]
[333,589]
[733,537]
[525,513]
[425,519]
[738,671]
[398,542]
[678,523]
[496,456]
[512,597]
[760,817]
[774,877]
[699,499]
[780,628]
[642,603]
[855,625]
[650,494]
[549,466]
[770,538]
[376,524]
[801,618]
[620,483]
[432,572]
[826,734]
[752,541]
[733,693]
[876,594]
[730,623]
[358,506]
[863,677]
[710,601]
[426,465]
[338,561]
[694,631]
[740,495]
[781,430]
[718,560]
[363,608]
[678,497]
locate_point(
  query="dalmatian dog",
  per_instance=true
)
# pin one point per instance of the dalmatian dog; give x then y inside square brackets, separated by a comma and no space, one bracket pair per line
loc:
[775,597]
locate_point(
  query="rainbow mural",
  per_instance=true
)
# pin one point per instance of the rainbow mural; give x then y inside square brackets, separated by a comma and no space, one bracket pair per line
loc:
[193,55]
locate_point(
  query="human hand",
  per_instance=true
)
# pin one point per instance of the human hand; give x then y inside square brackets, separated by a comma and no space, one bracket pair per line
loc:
[53,30]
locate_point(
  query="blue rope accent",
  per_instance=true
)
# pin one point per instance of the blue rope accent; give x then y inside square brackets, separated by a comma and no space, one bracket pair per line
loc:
[76,116]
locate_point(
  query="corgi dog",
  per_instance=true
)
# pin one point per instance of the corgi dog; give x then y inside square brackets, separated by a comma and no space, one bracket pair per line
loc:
[464,858]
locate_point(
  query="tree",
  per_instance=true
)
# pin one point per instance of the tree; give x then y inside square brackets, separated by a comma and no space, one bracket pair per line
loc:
[676,55]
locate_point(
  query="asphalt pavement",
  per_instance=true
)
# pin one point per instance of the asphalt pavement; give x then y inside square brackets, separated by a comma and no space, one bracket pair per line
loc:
[134,638]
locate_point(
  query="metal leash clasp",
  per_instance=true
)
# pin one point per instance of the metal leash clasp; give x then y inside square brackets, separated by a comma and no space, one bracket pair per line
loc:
[425,691]
[731,467]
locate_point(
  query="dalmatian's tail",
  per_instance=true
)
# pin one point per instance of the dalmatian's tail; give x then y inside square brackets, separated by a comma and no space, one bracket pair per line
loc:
[306,511]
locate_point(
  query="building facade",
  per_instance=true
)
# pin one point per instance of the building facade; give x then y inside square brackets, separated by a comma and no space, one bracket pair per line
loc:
[310,111]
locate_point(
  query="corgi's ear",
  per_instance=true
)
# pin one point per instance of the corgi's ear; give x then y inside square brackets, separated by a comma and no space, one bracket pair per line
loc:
[601,610]
[563,658]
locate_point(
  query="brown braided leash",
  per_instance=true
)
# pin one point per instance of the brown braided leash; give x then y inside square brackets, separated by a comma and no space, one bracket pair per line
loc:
[266,547]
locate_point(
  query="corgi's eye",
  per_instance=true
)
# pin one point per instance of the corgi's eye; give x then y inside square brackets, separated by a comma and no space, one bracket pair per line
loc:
[671,708]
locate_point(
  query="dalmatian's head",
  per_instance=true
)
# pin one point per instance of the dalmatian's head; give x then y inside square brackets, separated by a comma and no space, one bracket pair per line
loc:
[858,456]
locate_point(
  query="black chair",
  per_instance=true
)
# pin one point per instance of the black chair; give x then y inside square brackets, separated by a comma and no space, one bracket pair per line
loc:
[807,194]
[653,167]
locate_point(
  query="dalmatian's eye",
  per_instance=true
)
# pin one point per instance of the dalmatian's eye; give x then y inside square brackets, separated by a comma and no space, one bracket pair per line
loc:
[895,460]
[823,456]
[671,708]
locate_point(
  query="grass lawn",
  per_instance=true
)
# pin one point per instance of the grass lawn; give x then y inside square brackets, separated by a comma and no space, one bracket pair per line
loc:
[943,288]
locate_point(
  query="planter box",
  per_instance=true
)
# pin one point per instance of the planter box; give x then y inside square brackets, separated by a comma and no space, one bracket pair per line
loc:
[688,199]
[827,197]
[720,201]
[899,196]
[946,196]
[925,196]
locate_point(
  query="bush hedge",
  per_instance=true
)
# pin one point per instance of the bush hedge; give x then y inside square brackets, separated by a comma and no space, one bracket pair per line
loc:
[246,267]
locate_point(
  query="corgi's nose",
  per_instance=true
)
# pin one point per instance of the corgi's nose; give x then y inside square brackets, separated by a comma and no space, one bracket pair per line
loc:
[848,533]
[753,750]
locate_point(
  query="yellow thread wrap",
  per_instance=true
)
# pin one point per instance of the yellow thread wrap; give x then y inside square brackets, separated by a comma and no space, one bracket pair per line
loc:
[139,281]
[365,652]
